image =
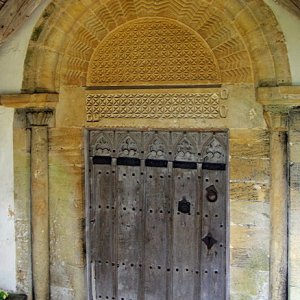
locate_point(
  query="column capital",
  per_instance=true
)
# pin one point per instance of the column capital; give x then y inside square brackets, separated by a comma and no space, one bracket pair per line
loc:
[39,116]
[276,117]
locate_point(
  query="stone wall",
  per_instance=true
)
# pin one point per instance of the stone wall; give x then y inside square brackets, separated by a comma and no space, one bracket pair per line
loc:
[249,182]
[294,232]
[249,191]
[249,213]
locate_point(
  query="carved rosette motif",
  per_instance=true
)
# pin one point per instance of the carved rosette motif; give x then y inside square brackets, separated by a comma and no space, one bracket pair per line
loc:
[153,50]
[208,105]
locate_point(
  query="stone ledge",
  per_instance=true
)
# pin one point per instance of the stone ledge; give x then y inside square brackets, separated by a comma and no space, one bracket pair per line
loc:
[29,100]
[288,96]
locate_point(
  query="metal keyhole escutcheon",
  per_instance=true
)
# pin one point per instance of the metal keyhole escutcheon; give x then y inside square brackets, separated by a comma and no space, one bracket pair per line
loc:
[212,194]
[184,206]
[209,241]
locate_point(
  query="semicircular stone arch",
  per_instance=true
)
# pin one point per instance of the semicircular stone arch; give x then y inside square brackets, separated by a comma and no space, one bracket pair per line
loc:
[237,33]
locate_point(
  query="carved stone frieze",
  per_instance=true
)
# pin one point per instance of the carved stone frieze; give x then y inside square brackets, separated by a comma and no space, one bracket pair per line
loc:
[153,50]
[157,105]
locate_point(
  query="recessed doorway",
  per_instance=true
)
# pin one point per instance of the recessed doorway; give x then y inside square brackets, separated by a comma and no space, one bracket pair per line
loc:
[157,215]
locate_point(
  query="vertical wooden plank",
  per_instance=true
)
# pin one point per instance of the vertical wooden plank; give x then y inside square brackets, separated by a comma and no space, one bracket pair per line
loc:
[157,216]
[89,175]
[130,230]
[213,246]
[92,229]
[115,227]
[104,260]
[198,228]
[185,254]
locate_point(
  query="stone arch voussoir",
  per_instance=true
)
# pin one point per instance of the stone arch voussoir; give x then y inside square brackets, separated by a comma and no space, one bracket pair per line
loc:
[243,37]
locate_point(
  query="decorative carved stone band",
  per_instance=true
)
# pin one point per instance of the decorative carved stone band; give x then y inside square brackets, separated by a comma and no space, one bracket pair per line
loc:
[208,105]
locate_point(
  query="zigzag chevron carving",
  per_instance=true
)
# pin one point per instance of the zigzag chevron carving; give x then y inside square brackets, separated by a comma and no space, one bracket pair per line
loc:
[203,17]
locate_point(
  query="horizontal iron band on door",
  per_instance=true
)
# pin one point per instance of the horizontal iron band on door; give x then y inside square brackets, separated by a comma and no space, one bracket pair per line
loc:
[184,165]
[159,163]
[213,166]
[102,160]
[130,161]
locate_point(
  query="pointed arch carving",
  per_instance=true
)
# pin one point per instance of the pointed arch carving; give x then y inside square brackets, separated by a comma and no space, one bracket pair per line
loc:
[103,146]
[128,147]
[157,149]
[186,150]
[214,151]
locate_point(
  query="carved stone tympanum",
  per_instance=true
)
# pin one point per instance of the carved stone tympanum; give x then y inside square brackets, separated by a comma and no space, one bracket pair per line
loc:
[153,50]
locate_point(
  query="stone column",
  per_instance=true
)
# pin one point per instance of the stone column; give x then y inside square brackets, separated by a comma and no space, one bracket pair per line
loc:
[38,121]
[277,122]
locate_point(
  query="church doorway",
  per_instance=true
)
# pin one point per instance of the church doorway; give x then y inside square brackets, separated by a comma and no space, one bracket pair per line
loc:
[157,215]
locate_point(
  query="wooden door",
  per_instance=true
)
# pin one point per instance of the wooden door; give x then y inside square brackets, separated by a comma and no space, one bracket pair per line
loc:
[156,215]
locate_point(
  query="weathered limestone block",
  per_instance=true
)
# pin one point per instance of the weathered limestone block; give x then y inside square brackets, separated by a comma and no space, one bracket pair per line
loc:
[66,146]
[66,187]
[253,287]
[254,170]
[250,214]
[254,259]
[249,143]
[253,192]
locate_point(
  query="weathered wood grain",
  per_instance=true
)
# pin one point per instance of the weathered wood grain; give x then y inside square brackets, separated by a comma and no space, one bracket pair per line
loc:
[213,259]
[142,245]
[185,235]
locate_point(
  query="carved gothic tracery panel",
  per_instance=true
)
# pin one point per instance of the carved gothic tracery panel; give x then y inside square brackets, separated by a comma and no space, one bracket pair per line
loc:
[201,147]
[215,151]
[208,105]
[153,50]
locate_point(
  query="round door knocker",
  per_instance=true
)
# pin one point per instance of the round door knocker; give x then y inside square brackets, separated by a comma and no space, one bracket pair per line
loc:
[212,194]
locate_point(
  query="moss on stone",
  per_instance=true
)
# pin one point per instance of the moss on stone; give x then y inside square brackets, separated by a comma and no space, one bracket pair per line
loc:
[36,33]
